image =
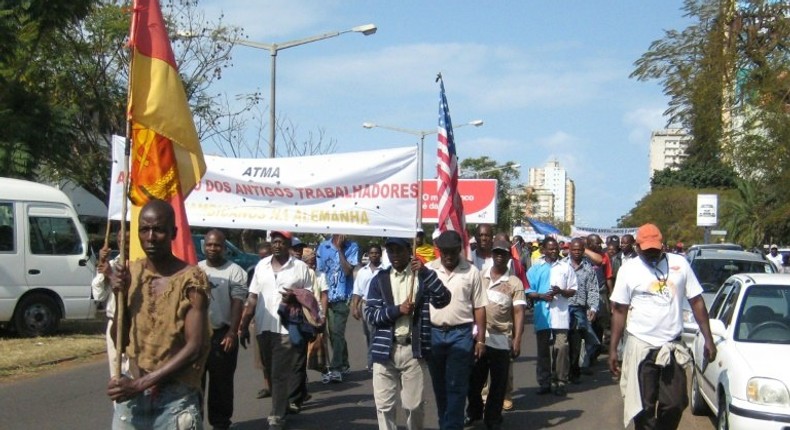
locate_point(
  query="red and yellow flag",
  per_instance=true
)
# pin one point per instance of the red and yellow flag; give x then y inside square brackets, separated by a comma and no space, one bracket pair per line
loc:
[166,157]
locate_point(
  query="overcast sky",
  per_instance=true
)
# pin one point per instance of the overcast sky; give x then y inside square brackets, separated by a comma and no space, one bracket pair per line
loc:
[549,78]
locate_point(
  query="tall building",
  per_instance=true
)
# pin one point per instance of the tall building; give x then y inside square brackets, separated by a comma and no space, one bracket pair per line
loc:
[553,179]
[668,149]
[570,201]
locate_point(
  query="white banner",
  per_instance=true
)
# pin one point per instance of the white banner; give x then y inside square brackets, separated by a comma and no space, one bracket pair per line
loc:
[371,193]
[577,231]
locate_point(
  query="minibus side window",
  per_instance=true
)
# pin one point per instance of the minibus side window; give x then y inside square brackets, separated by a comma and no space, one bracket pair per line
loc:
[7,234]
[54,236]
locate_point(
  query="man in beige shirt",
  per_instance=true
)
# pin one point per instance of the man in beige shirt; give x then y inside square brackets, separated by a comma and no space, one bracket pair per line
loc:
[458,330]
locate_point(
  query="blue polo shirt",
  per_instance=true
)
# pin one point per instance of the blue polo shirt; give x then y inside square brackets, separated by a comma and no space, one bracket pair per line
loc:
[328,262]
[539,277]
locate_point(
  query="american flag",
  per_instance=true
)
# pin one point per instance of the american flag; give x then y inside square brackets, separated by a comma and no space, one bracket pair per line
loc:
[451,210]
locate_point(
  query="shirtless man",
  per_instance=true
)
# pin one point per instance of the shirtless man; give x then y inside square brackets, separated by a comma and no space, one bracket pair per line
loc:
[166,336]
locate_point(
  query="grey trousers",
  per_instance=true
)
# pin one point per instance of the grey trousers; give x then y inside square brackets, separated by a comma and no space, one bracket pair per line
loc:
[553,357]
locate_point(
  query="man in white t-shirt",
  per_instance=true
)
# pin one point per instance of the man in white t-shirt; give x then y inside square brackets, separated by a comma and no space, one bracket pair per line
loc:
[775,257]
[276,277]
[228,283]
[649,294]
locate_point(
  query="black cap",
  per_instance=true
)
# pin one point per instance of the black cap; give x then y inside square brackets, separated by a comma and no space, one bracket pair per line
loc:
[448,239]
[397,241]
[501,245]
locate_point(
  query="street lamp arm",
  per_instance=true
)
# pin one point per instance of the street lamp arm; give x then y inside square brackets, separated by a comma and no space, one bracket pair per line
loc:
[418,133]
[366,30]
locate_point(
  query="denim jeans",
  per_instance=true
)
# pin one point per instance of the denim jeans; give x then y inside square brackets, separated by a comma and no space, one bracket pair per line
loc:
[450,364]
[170,406]
[581,329]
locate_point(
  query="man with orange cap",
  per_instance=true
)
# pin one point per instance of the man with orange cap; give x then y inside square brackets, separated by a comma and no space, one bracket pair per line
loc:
[648,293]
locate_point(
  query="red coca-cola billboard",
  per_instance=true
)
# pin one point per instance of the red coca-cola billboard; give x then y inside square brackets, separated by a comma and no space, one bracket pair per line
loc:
[478,196]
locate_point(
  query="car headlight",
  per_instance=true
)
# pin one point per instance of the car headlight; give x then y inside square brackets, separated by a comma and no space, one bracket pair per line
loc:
[768,392]
[688,317]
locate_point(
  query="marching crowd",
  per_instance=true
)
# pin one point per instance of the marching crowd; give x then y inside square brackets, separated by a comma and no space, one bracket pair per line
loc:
[425,310]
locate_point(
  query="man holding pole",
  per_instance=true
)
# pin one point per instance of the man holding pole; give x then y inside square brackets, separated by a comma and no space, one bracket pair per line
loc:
[398,310]
[165,332]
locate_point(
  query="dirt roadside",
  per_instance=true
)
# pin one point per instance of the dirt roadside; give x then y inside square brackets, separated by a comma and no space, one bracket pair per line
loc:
[76,342]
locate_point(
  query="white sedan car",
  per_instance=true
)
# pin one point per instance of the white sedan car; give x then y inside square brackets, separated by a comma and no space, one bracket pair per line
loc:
[746,387]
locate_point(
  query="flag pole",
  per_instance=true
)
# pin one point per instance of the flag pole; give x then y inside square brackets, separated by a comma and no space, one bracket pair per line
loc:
[418,215]
[120,298]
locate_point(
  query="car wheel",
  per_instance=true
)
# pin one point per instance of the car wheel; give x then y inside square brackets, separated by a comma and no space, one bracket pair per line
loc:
[698,405]
[723,417]
[36,315]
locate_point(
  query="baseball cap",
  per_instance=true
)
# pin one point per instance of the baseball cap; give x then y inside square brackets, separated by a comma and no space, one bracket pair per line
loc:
[286,234]
[397,241]
[295,242]
[501,245]
[774,246]
[649,237]
[448,239]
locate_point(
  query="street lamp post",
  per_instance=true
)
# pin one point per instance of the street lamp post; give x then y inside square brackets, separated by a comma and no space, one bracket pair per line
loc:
[274,48]
[420,150]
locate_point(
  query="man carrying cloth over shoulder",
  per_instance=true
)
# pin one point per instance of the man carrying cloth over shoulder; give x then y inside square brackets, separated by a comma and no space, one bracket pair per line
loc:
[166,336]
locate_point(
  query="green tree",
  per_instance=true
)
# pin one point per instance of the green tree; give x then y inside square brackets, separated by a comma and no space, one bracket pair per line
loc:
[64,76]
[694,66]
[746,223]
[674,210]
[728,79]
[33,127]
[507,177]
[713,174]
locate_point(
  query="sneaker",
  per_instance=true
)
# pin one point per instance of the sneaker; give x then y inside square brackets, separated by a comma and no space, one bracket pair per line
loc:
[294,409]
[507,405]
[335,376]
[326,377]
[346,370]
[543,390]
[468,421]
[276,423]
[560,390]
[263,393]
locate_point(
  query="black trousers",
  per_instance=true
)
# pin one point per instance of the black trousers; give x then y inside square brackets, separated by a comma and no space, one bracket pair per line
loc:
[220,369]
[664,395]
[495,362]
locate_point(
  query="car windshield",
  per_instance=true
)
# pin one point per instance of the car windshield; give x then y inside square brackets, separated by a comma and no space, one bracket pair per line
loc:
[764,316]
[712,273]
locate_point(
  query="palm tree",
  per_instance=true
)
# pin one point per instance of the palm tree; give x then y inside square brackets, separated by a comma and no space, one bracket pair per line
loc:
[746,220]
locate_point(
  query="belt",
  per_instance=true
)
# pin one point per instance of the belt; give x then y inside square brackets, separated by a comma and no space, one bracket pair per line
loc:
[445,327]
[403,340]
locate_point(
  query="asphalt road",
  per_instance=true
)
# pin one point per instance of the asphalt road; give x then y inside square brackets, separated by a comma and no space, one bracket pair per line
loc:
[73,397]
